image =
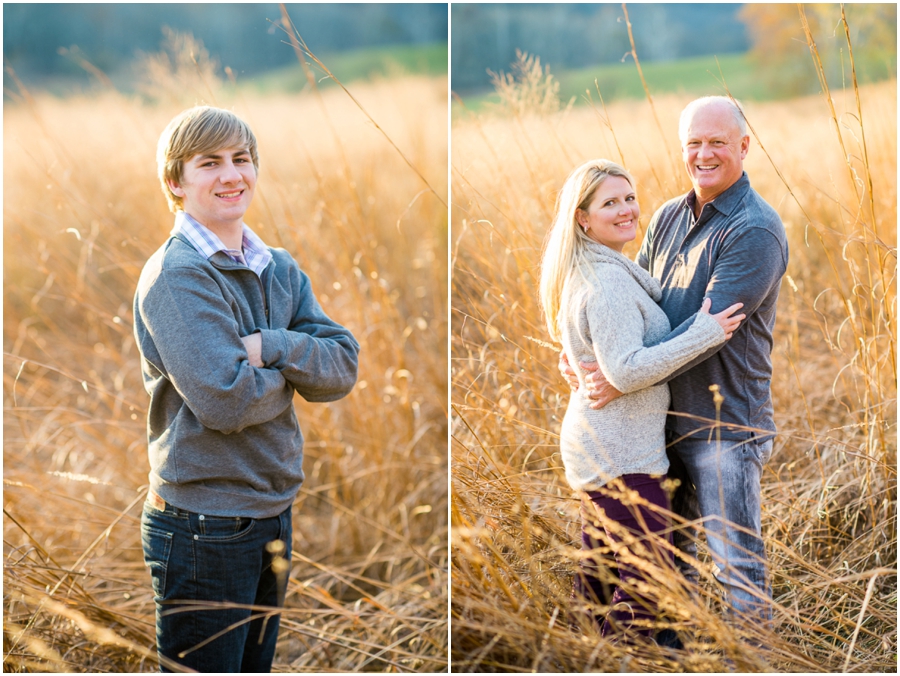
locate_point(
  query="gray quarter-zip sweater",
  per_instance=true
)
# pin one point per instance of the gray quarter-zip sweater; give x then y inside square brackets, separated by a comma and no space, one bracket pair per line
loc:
[223,436]
[736,251]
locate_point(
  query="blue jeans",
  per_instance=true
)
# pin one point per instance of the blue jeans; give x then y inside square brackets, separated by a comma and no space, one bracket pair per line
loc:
[720,483]
[196,558]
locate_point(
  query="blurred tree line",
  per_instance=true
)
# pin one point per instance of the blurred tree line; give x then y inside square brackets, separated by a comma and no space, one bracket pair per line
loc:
[486,36]
[569,36]
[48,39]
[781,51]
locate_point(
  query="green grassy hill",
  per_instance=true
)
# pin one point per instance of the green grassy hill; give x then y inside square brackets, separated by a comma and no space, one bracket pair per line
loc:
[361,64]
[697,76]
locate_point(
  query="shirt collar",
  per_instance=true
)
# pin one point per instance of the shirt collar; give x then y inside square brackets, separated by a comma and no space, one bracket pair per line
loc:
[254,253]
[728,200]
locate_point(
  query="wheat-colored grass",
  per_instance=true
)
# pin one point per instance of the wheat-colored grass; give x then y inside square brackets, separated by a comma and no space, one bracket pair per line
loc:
[82,212]
[829,491]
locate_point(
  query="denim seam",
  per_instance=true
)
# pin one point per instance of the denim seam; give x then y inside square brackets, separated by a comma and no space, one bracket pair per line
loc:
[163,560]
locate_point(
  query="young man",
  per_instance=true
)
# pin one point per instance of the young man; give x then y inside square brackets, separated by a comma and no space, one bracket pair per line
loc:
[228,329]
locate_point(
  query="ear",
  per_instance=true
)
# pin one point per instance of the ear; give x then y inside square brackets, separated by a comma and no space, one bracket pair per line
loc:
[581,218]
[175,188]
[745,146]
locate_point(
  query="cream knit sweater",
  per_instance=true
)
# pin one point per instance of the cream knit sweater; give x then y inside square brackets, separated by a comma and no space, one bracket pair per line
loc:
[610,315]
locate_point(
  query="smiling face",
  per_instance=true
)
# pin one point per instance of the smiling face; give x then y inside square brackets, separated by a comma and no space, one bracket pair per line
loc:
[216,187]
[612,216]
[713,151]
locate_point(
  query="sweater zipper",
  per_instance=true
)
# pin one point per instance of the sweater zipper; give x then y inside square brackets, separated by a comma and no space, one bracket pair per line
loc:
[262,290]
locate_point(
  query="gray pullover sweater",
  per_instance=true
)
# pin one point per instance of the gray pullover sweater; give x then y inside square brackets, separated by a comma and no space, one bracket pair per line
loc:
[611,316]
[223,436]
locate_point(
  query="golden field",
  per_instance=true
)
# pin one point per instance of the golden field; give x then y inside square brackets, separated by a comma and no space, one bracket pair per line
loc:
[82,212]
[829,491]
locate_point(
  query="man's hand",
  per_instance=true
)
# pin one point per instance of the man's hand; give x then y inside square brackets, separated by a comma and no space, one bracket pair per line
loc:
[599,389]
[253,343]
[567,371]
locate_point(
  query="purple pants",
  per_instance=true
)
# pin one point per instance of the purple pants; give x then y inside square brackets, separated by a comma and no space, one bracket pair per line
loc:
[599,580]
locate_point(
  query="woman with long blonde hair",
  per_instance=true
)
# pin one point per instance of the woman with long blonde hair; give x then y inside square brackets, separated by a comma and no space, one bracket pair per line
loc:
[602,307]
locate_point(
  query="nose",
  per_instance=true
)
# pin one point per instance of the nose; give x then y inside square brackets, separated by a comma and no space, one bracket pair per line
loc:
[705,150]
[229,173]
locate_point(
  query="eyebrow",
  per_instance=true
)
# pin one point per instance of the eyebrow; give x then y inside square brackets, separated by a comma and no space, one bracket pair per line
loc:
[214,156]
[630,194]
[717,135]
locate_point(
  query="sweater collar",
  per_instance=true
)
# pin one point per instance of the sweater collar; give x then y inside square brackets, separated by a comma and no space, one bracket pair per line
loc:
[595,252]
[254,254]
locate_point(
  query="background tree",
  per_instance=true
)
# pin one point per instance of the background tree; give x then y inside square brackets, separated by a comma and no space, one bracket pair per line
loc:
[487,36]
[39,38]
[780,47]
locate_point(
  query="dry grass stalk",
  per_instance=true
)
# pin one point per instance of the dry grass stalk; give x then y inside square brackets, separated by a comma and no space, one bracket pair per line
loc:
[529,89]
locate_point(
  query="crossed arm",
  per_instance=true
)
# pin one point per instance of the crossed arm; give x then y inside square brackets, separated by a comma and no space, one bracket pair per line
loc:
[315,354]
[190,336]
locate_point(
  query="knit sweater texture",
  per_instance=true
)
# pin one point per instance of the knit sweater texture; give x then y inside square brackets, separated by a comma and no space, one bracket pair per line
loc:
[610,316]
[223,436]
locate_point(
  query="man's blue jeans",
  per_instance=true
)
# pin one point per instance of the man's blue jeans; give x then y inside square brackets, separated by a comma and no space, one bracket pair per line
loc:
[196,559]
[720,483]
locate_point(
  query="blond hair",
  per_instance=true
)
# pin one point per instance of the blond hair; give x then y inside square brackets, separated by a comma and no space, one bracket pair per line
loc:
[195,131]
[565,243]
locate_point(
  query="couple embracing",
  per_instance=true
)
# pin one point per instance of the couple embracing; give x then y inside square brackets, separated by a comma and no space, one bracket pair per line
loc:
[685,329]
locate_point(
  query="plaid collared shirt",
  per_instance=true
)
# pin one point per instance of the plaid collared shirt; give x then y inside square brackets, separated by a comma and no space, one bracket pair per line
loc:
[254,254]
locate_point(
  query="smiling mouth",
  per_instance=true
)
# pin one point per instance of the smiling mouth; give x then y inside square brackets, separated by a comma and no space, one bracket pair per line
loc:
[229,195]
[707,167]
[625,224]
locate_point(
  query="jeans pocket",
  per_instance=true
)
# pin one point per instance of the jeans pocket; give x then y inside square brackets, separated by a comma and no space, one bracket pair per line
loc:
[761,450]
[157,545]
[765,450]
[220,527]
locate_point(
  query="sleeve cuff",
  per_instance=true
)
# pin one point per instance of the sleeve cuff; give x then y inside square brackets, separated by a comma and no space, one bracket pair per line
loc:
[710,326]
[274,347]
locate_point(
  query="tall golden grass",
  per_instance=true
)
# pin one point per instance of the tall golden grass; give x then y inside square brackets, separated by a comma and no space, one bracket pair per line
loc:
[828,165]
[82,212]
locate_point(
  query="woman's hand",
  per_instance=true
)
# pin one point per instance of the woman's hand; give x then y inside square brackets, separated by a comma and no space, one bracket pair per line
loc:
[725,319]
